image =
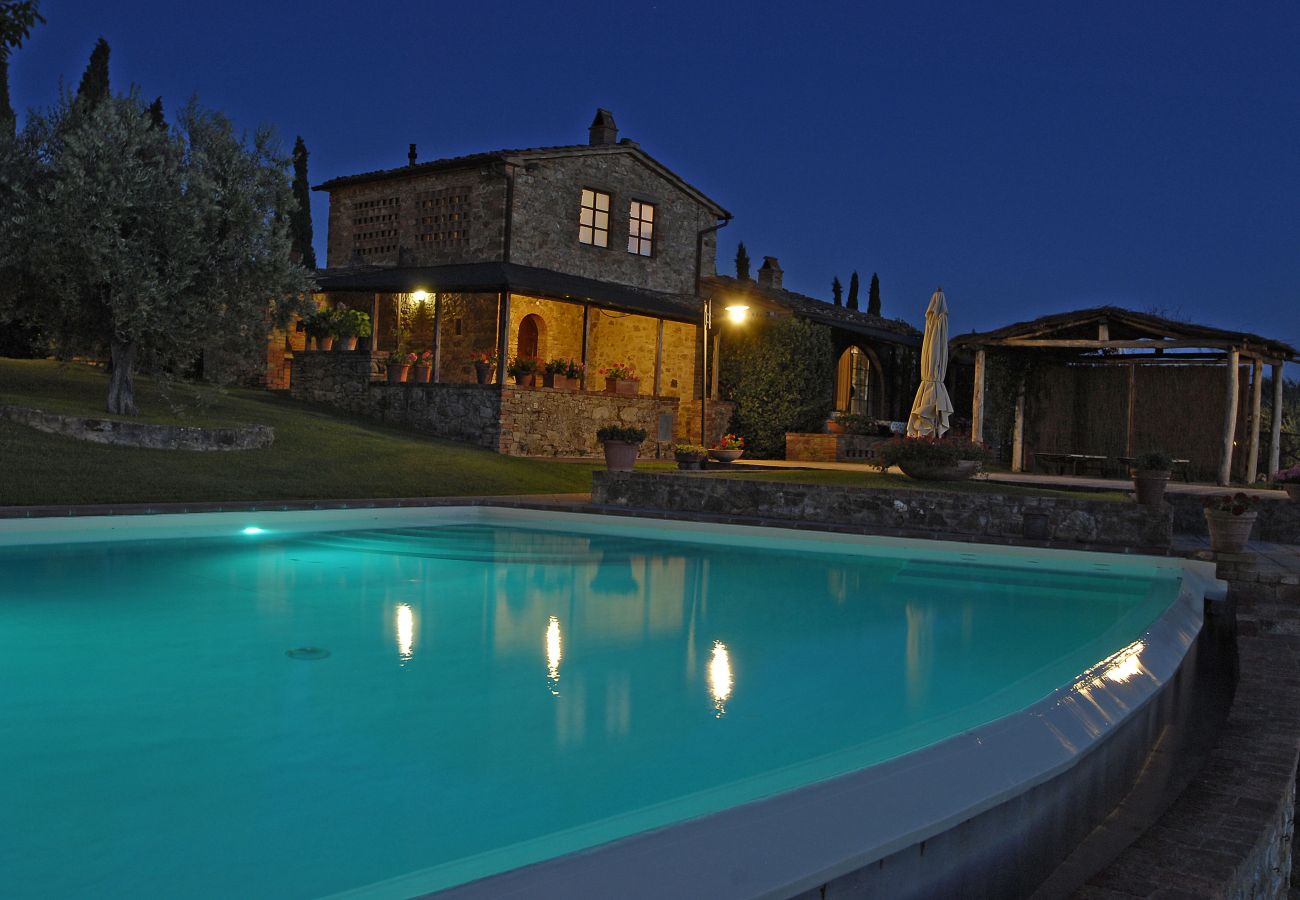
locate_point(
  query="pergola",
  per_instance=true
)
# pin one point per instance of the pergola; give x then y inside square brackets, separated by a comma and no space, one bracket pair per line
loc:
[1109,336]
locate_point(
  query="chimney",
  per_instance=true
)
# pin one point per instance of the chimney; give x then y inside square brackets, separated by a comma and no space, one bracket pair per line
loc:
[603,130]
[769,273]
[410,156]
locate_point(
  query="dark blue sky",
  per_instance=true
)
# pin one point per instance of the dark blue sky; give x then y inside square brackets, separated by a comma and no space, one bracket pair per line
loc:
[1030,157]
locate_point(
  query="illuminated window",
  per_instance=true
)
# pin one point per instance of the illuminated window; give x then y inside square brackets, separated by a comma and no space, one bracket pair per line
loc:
[641,228]
[593,220]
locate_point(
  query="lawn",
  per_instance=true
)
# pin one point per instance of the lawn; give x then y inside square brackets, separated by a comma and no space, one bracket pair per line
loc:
[316,454]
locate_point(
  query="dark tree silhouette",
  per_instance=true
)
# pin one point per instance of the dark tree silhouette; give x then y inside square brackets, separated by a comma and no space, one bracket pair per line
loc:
[837,291]
[853,291]
[873,296]
[17,19]
[156,118]
[300,219]
[94,82]
[742,262]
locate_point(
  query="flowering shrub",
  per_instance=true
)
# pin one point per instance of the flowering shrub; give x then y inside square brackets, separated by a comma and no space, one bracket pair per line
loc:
[483,358]
[620,372]
[1237,503]
[424,358]
[567,368]
[523,366]
[1288,476]
[730,442]
[397,358]
[931,452]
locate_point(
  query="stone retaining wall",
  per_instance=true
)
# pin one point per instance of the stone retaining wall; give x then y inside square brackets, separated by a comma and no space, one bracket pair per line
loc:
[1278,521]
[142,434]
[997,517]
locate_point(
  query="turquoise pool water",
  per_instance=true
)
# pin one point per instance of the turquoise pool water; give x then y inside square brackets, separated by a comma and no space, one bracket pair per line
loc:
[468,697]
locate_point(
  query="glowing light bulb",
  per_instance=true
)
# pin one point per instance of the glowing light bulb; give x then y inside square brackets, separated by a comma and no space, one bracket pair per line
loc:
[420,296]
[737,312]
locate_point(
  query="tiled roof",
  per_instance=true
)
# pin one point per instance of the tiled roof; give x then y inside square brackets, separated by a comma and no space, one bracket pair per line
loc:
[893,330]
[474,159]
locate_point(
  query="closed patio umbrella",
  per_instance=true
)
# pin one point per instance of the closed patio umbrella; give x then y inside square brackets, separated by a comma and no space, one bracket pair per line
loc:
[932,407]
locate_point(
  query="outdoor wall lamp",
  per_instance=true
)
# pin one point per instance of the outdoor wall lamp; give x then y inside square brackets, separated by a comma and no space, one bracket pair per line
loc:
[737,312]
[420,295]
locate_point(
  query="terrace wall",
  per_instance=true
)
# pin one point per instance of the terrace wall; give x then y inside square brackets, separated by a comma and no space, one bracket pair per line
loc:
[1278,521]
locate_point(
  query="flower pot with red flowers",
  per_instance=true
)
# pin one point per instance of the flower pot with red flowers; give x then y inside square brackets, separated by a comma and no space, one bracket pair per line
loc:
[621,378]
[524,369]
[483,363]
[563,374]
[729,448]
[1289,481]
[622,444]
[398,365]
[1151,473]
[422,367]
[1229,518]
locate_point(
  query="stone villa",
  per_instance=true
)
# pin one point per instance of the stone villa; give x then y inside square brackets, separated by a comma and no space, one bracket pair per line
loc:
[595,252]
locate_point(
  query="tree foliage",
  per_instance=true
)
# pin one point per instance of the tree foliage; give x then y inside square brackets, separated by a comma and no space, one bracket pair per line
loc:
[853,291]
[17,19]
[873,296]
[154,244]
[94,88]
[300,218]
[837,291]
[780,374]
[742,262]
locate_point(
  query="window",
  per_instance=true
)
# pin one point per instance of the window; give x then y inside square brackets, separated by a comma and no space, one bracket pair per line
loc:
[593,220]
[641,228]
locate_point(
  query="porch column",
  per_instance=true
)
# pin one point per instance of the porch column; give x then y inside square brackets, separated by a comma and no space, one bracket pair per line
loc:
[659,358]
[503,335]
[1018,432]
[977,401]
[586,340]
[1275,439]
[713,388]
[1256,391]
[437,336]
[1229,417]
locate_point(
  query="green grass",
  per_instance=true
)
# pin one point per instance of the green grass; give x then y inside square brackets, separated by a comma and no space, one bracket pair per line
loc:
[317,455]
[873,478]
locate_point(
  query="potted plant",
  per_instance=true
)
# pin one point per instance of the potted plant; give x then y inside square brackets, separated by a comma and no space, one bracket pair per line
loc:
[1151,472]
[690,456]
[483,363]
[524,369]
[399,366]
[621,378]
[349,325]
[563,374]
[933,459]
[1289,479]
[319,327]
[1229,517]
[421,366]
[622,443]
[834,425]
[729,448]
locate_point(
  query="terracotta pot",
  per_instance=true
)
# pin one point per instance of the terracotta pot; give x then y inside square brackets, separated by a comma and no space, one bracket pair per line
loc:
[1150,486]
[325,343]
[526,380]
[726,455]
[483,372]
[834,427]
[560,382]
[421,374]
[623,386]
[347,344]
[620,456]
[964,469]
[1293,491]
[1229,533]
[397,374]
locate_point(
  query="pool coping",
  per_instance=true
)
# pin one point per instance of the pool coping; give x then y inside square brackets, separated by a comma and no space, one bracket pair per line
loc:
[1047,738]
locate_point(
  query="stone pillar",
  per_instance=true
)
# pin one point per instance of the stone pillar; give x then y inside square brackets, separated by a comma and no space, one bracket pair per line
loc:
[659,358]
[437,337]
[977,401]
[1229,417]
[1256,392]
[503,335]
[1275,438]
[1018,432]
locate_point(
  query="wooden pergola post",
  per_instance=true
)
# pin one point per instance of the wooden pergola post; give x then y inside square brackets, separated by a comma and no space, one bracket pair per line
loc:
[977,401]
[1018,433]
[1256,391]
[1275,439]
[1229,416]
[503,336]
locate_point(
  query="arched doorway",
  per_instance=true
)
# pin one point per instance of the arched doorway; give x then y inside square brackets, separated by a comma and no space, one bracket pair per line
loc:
[857,383]
[531,332]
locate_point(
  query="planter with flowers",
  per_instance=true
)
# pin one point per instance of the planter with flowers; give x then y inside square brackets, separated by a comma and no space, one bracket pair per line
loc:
[563,374]
[690,456]
[483,363]
[622,444]
[1230,518]
[421,366]
[729,448]
[1289,479]
[1151,473]
[399,366]
[524,369]
[621,378]
[933,459]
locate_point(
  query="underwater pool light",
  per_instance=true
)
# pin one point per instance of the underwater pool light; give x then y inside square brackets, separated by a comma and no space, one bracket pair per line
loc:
[253,529]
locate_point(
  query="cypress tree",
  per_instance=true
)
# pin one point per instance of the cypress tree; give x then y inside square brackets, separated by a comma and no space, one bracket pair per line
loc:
[742,262]
[873,296]
[94,82]
[837,291]
[8,121]
[300,219]
[853,291]
[17,19]
[156,118]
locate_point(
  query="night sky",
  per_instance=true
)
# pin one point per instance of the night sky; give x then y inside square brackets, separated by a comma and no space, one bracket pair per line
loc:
[1030,157]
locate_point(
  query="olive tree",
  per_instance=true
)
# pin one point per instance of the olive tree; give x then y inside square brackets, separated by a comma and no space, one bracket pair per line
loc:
[153,244]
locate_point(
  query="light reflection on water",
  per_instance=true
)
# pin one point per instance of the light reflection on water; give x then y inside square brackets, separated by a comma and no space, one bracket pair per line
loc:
[554,653]
[405,618]
[720,678]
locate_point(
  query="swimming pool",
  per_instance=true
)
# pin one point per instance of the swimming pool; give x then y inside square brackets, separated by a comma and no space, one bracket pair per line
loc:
[385,703]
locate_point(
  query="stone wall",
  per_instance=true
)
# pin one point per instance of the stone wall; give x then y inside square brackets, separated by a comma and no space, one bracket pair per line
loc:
[545,422]
[985,516]
[142,434]
[559,333]
[470,413]
[1278,521]
[812,447]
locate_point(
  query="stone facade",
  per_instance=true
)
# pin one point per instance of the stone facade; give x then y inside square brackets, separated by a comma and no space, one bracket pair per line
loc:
[1046,521]
[142,434]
